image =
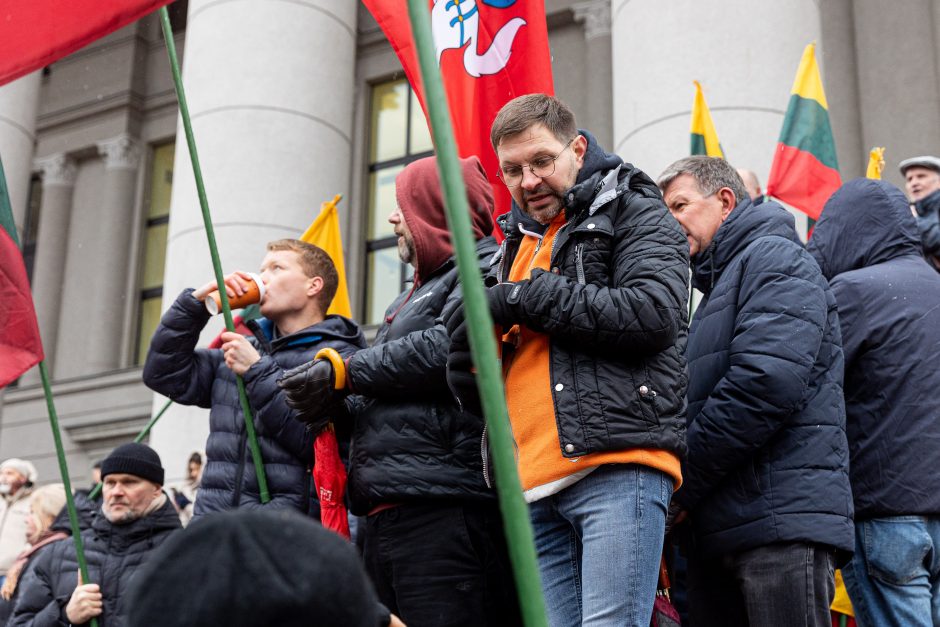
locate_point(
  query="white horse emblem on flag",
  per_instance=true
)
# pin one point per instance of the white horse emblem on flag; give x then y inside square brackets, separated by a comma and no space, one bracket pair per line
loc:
[455,24]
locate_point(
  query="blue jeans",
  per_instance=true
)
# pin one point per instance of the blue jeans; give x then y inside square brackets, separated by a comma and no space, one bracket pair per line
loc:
[599,543]
[894,576]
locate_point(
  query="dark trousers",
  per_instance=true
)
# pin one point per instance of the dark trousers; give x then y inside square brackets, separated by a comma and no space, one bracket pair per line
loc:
[442,565]
[785,585]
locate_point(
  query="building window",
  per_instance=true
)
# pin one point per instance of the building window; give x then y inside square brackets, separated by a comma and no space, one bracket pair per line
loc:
[157,219]
[31,225]
[399,135]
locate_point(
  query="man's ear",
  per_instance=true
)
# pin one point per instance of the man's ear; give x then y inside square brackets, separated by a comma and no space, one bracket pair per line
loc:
[314,286]
[579,148]
[728,201]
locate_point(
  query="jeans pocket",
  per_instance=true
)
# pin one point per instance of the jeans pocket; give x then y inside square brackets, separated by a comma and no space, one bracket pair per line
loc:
[895,548]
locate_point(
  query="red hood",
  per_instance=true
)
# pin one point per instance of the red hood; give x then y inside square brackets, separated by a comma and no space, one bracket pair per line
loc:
[419,195]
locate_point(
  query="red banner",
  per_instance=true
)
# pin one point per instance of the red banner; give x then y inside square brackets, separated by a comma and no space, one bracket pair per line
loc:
[489,51]
[34,33]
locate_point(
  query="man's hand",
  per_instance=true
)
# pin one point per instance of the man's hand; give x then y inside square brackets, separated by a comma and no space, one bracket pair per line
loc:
[240,355]
[504,300]
[84,604]
[236,284]
[311,388]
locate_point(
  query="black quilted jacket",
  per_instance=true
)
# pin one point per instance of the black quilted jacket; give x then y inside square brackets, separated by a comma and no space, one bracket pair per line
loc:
[614,306]
[410,440]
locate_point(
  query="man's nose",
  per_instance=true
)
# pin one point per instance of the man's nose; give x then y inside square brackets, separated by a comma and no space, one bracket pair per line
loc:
[529,179]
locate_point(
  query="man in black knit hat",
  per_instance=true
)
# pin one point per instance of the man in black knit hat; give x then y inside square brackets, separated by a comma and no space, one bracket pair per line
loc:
[136,517]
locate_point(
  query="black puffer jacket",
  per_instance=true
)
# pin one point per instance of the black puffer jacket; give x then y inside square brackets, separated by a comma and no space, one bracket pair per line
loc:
[614,306]
[768,458]
[190,376]
[113,553]
[866,243]
[411,441]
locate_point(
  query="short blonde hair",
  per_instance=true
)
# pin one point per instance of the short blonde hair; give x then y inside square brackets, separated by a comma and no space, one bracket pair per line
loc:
[45,504]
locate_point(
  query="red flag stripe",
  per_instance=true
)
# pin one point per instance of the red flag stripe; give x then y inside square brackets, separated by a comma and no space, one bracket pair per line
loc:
[20,346]
[34,33]
[808,183]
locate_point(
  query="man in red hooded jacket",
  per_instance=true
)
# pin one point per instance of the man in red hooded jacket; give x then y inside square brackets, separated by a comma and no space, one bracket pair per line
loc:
[433,541]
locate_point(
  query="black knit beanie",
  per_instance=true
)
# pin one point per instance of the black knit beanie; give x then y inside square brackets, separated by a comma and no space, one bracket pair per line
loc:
[134,459]
[254,569]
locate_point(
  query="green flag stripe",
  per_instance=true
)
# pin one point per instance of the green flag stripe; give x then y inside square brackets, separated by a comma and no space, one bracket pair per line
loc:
[6,211]
[806,127]
[698,144]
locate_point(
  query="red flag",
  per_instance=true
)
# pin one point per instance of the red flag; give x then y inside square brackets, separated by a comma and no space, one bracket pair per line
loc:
[329,477]
[489,51]
[20,346]
[34,33]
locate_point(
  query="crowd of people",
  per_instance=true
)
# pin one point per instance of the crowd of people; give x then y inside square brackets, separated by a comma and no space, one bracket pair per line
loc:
[790,428]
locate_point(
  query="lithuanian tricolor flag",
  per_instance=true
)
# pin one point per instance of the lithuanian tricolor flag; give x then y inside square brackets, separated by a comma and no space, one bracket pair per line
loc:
[805,171]
[704,137]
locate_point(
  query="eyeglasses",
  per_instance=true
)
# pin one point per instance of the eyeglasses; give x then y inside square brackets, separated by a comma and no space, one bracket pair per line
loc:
[542,167]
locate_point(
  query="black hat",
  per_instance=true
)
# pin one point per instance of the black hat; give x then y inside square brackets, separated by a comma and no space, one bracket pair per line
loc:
[254,568]
[134,459]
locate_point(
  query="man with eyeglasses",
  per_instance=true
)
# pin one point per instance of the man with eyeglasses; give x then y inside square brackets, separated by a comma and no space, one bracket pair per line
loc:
[591,303]
[765,480]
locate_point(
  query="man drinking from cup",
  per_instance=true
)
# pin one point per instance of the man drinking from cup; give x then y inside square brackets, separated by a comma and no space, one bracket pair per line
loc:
[299,281]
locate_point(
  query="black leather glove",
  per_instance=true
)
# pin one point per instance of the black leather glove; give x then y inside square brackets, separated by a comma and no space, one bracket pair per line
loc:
[313,389]
[505,301]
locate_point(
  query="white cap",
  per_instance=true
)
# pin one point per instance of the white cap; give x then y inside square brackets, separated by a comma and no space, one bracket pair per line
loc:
[927,161]
[21,466]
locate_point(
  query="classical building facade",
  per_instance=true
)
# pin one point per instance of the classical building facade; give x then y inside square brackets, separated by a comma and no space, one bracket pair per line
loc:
[295,101]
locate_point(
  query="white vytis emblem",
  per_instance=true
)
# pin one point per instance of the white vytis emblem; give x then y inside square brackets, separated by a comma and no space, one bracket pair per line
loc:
[455,24]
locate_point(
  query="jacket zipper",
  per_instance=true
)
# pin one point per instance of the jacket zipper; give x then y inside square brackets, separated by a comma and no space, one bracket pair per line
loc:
[486,459]
[579,262]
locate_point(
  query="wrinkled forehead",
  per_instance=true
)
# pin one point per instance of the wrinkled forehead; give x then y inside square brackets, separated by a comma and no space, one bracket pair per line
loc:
[535,139]
[916,171]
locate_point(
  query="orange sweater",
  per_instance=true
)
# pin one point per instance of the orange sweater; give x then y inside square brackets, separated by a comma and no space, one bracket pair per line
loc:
[529,396]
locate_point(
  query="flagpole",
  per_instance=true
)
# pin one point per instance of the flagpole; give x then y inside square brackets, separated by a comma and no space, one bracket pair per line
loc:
[213,249]
[515,512]
[140,436]
[54,424]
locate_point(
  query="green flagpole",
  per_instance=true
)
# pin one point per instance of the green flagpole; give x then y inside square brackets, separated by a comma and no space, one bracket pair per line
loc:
[213,249]
[516,524]
[95,491]
[54,424]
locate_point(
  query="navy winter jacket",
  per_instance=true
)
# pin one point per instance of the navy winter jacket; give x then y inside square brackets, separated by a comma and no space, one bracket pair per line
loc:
[867,244]
[767,453]
[190,376]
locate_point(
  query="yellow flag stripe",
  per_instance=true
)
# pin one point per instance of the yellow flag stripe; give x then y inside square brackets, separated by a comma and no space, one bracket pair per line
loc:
[876,163]
[808,82]
[703,125]
[324,232]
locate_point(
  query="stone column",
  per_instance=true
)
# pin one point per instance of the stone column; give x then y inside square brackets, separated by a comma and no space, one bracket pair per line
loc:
[746,66]
[595,15]
[58,180]
[99,265]
[270,89]
[18,103]
[906,71]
